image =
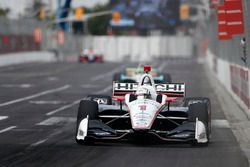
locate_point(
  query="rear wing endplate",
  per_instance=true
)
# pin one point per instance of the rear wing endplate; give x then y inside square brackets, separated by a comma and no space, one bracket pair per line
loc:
[169,89]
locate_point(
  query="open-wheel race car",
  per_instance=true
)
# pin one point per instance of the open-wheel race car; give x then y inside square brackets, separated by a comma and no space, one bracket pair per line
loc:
[144,109]
[90,56]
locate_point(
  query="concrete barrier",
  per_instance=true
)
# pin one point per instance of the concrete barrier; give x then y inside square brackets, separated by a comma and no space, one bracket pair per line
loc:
[26,57]
[138,48]
[234,77]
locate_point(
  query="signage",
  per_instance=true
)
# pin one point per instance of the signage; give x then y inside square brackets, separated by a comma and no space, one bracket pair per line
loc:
[223,33]
[234,16]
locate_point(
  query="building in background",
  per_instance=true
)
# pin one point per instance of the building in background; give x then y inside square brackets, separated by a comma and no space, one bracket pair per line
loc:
[144,16]
[21,8]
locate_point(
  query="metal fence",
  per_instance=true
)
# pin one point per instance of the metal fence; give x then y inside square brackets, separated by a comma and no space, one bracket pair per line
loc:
[18,35]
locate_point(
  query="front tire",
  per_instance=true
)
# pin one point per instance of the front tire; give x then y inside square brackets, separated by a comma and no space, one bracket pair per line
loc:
[194,100]
[86,108]
[200,111]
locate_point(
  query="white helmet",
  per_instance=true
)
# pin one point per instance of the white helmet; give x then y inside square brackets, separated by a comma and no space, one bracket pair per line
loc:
[143,92]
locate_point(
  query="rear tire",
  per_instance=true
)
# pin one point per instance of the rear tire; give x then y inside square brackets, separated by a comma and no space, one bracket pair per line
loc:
[86,108]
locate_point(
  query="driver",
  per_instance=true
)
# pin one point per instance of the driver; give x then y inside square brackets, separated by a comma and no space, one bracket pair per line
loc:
[146,89]
[143,93]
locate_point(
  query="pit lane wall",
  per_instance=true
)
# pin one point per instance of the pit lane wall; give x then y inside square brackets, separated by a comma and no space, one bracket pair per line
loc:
[135,48]
[226,60]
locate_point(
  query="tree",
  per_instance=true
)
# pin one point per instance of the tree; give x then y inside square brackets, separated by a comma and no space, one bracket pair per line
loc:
[38,9]
[4,12]
[98,25]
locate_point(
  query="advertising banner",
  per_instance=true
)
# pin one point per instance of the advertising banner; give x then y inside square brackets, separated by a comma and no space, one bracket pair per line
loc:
[234,16]
[223,33]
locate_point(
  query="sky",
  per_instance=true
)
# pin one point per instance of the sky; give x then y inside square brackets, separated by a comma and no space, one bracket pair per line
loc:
[18,6]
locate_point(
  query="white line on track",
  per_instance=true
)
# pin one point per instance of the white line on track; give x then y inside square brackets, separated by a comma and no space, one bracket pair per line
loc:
[3,117]
[16,86]
[88,86]
[63,108]
[47,102]
[57,120]
[101,76]
[104,90]
[7,129]
[220,123]
[35,95]
[76,102]
[38,143]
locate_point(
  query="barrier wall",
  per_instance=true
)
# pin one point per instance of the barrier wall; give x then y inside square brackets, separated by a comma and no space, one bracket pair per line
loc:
[234,77]
[225,59]
[26,57]
[140,48]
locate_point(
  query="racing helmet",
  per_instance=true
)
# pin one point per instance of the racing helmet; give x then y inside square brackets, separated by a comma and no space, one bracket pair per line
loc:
[143,93]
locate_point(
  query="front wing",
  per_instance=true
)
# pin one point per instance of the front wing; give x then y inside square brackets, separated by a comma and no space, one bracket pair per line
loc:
[98,131]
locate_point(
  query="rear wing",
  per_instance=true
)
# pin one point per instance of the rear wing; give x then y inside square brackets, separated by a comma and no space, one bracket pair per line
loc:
[169,89]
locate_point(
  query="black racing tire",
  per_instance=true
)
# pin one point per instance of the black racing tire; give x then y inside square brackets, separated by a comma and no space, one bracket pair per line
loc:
[117,77]
[200,111]
[85,108]
[167,78]
[193,100]
[105,97]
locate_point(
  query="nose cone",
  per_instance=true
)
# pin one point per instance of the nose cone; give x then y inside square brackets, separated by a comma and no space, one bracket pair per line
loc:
[143,113]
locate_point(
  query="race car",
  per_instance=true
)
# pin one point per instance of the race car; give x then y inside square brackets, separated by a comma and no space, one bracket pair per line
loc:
[143,110]
[132,75]
[89,56]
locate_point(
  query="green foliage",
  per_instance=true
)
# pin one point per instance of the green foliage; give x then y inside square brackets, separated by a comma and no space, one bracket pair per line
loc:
[4,12]
[98,25]
[37,5]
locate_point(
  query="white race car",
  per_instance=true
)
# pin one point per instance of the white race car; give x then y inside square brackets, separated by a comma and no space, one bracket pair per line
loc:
[143,110]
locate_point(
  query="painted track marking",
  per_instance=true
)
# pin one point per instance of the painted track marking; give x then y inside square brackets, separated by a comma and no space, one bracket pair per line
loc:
[7,129]
[77,102]
[47,102]
[16,86]
[57,120]
[3,117]
[38,143]
[101,76]
[35,95]
[63,108]
[220,123]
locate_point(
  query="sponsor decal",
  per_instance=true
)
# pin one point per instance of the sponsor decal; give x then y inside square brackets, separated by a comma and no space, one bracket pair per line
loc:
[143,112]
[240,83]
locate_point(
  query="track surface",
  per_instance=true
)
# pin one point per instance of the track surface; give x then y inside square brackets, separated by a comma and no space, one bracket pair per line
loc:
[38,107]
